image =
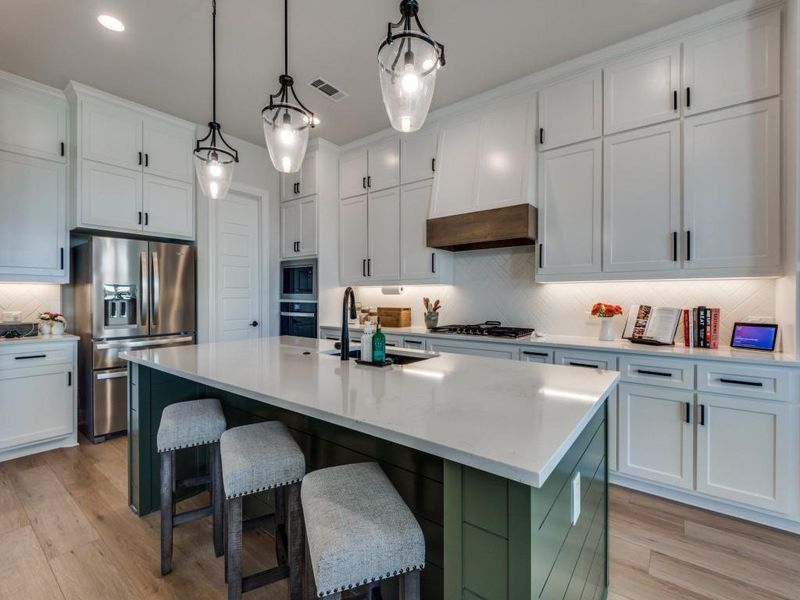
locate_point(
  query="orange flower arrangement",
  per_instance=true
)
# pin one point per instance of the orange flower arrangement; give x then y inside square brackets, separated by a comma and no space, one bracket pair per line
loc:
[601,309]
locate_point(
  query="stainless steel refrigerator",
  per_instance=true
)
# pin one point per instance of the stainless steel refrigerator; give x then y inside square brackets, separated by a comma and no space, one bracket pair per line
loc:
[125,294]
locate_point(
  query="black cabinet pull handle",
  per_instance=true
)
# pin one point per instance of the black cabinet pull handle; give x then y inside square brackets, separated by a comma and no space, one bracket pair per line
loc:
[30,356]
[541,135]
[62,148]
[742,382]
[688,245]
[140,217]
[433,164]
[674,246]
[140,159]
[580,364]
[529,353]
[363,267]
[688,417]
[674,99]
[702,414]
[433,262]
[147,218]
[364,182]
[688,97]
[369,181]
[146,159]
[369,267]
[61,257]
[541,260]
[69,378]
[657,373]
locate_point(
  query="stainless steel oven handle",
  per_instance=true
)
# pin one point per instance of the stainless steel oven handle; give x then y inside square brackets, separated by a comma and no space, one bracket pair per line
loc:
[156,276]
[143,343]
[111,375]
[298,314]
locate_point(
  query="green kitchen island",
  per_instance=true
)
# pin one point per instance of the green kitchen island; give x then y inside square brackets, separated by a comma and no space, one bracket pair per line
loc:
[502,462]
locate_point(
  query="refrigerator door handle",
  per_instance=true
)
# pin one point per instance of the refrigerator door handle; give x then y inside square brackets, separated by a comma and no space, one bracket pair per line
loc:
[155,277]
[144,296]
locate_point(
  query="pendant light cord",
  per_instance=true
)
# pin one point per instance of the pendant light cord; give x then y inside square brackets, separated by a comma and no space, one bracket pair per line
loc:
[285,37]
[214,60]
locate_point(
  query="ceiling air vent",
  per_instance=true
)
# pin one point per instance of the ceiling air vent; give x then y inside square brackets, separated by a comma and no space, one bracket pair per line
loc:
[328,89]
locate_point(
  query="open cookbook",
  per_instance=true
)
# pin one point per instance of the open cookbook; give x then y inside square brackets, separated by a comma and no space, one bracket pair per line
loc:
[652,324]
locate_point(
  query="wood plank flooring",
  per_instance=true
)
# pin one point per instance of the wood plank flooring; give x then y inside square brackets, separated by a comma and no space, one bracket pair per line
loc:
[66,532]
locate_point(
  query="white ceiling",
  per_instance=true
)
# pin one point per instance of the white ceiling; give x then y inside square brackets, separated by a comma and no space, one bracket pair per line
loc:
[163,58]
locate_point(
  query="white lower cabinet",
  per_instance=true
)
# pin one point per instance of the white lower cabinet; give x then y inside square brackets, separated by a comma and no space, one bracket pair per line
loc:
[656,437]
[745,451]
[474,348]
[536,355]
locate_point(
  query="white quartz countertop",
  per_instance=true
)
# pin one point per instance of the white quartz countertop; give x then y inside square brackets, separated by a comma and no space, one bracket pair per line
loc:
[38,339]
[725,353]
[513,419]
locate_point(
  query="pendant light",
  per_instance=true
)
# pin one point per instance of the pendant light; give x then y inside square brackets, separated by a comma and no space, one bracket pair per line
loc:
[286,120]
[214,158]
[408,61]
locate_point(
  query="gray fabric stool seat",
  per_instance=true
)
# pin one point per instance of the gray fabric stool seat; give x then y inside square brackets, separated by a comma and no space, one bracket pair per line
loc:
[359,531]
[186,425]
[255,458]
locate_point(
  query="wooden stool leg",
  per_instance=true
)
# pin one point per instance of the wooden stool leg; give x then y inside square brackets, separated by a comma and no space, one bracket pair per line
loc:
[216,497]
[410,586]
[296,536]
[311,586]
[281,535]
[233,556]
[167,477]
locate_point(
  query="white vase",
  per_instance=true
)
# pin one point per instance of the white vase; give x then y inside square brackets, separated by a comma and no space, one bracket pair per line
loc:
[44,327]
[58,328]
[607,329]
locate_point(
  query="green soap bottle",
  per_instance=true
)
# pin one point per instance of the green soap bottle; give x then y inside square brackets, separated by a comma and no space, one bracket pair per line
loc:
[378,345]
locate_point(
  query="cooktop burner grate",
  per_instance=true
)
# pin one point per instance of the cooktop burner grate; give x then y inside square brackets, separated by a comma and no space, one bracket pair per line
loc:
[488,328]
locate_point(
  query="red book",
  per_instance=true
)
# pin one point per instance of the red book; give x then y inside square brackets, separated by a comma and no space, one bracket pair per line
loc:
[715,319]
[686,338]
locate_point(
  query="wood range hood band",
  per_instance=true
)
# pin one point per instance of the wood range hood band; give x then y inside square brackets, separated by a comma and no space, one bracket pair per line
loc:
[495,228]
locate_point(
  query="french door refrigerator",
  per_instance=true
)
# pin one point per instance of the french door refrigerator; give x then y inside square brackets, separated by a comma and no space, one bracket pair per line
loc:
[125,294]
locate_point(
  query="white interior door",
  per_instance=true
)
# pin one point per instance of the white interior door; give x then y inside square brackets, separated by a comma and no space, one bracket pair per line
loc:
[238,267]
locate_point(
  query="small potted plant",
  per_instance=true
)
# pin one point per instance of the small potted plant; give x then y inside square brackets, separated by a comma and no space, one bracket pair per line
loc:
[58,324]
[606,313]
[45,323]
[431,312]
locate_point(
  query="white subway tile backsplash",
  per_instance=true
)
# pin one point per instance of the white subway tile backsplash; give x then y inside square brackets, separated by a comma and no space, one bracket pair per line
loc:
[30,299]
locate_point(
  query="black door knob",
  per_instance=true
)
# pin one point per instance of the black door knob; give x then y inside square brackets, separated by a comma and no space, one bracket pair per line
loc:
[254,324]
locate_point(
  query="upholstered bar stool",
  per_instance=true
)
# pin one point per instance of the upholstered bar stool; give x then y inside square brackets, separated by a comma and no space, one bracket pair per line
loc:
[185,425]
[255,458]
[359,532]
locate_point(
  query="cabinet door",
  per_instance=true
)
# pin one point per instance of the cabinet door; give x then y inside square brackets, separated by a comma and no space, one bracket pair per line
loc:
[732,182]
[384,165]
[384,236]
[32,217]
[290,228]
[746,452]
[456,170]
[353,248]
[290,185]
[111,134]
[32,123]
[641,210]
[417,261]
[37,405]
[418,155]
[308,176]
[505,149]
[656,436]
[570,111]
[307,245]
[168,149]
[168,207]
[111,197]
[353,173]
[732,64]
[642,90]
[569,209]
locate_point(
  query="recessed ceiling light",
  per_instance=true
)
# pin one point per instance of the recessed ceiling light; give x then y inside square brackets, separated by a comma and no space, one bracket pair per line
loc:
[111,23]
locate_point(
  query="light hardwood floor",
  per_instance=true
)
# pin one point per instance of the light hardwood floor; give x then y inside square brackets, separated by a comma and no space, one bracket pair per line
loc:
[66,532]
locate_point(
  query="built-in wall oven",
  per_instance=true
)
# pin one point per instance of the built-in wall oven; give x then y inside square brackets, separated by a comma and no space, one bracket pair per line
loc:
[298,298]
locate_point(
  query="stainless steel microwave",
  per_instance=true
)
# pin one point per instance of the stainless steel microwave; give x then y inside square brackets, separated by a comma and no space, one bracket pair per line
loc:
[299,280]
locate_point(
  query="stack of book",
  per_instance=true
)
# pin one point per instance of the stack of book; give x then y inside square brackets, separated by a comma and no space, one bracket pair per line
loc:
[701,327]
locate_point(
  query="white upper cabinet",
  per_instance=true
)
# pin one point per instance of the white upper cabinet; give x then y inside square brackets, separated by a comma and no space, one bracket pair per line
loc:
[570,209]
[168,207]
[731,195]
[299,227]
[383,159]
[353,248]
[111,198]
[308,226]
[456,170]
[353,173]
[290,229]
[418,262]
[732,64]
[383,260]
[418,155]
[642,90]
[571,111]
[302,183]
[641,200]
[111,134]
[168,150]
[33,121]
[33,233]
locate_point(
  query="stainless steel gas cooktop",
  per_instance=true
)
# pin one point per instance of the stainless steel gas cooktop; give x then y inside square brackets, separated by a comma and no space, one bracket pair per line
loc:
[489,328]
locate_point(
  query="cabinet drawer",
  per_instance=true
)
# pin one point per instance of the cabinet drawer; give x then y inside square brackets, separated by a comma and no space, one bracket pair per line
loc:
[415,343]
[392,341]
[750,382]
[591,360]
[35,356]
[537,355]
[657,371]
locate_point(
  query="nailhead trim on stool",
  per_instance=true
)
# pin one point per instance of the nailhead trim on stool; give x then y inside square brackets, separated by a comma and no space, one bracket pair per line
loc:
[190,423]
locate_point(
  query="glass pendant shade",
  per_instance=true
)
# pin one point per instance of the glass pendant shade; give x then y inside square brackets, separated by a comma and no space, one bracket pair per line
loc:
[408,62]
[286,133]
[214,172]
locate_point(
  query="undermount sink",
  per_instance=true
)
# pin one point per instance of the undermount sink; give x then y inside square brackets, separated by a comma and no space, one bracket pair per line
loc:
[398,356]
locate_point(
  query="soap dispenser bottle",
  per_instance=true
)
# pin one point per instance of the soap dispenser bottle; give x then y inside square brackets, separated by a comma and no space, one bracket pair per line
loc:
[379,345]
[366,343]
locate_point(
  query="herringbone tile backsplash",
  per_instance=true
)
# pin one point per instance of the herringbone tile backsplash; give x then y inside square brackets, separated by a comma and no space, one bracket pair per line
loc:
[498,284]
[30,299]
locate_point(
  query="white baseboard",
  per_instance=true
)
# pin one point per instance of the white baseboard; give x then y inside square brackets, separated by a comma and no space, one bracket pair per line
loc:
[62,442]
